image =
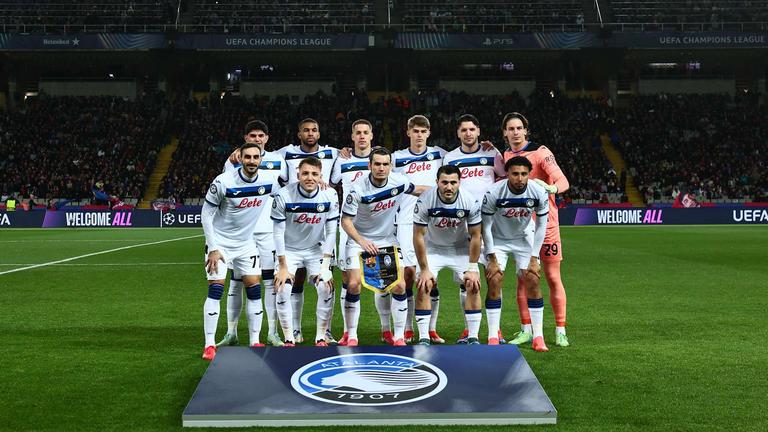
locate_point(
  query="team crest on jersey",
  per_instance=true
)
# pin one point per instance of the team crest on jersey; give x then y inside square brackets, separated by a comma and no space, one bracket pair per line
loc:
[262,190]
[430,156]
[213,189]
[320,207]
[270,165]
[483,161]
[369,380]
[394,192]
[349,199]
[460,213]
[529,202]
[320,155]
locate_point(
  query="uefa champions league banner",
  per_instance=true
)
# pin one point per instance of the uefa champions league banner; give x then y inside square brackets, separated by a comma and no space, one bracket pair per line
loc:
[663,216]
[497,41]
[100,41]
[576,40]
[261,41]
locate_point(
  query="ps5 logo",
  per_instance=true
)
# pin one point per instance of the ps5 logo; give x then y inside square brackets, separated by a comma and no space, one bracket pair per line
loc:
[369,379]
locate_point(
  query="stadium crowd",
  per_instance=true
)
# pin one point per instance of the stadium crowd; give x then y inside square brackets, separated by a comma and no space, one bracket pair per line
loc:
[60,147]
[88,15]
[708,144]
[285,17]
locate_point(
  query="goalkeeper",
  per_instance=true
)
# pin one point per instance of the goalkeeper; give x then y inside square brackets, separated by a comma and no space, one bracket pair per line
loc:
[548,174]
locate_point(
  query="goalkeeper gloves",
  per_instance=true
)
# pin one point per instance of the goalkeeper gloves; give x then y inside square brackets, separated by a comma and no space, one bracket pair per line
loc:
[549,188]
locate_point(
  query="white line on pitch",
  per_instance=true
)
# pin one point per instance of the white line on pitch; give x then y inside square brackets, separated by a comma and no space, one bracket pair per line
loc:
[97,253]
[108,264]
[70,240]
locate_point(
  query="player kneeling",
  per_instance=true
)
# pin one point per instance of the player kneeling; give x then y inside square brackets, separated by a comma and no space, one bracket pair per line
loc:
[508,207]
[444,217]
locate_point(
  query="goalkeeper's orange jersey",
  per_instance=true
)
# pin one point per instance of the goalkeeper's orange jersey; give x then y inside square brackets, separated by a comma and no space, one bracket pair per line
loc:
[545,168]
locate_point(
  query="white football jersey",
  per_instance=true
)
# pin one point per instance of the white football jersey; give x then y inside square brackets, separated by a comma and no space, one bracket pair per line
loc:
[421,170]
[447,223]
[304,215]
[512,213]
[349,171]
[240,202]
[479,169]
[374,208]
[272,166]
[293,155]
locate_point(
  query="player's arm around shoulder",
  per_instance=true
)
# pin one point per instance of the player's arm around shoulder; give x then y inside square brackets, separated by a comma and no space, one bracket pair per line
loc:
[556,179]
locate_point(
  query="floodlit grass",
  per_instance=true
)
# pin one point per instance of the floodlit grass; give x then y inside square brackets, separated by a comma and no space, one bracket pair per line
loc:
[667,326]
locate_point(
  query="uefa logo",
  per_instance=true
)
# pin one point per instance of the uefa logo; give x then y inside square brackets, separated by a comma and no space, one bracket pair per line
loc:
[369,379]
[169,219]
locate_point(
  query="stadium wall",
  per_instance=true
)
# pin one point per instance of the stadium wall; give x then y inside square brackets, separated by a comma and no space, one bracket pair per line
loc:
[291,88]
[118,88]
[190,217]
[687,86]
[489,87]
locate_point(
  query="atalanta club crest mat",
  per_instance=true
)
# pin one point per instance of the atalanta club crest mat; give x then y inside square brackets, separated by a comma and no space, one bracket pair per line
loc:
[379,385]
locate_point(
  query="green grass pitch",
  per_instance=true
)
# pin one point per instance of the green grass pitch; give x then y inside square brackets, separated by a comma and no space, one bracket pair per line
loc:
[667,324]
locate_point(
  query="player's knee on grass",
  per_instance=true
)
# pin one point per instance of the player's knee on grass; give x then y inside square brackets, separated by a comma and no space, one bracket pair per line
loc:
[216,289]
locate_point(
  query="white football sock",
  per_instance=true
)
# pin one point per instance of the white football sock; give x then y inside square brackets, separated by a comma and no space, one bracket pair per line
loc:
[473,323]
[284,311]
[234,305]
[210,320]
[352,311]
[383,306]
[324,310]
[269,305]
[423,318]
[399,309]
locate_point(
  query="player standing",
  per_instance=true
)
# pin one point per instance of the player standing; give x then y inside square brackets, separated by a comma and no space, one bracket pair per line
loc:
[346,172]
[368,218]
[309,146]
[548,174]
[273,167]
[306,220]
[232,207]
[419,163]
[508,209]
[480,168]
[444,217]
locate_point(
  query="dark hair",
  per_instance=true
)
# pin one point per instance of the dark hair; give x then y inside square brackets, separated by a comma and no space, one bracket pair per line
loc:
[518,161]
[382,151]
[256,125]
[308,120]
[418,120]
[514,115]
[246,146]
[311,161]
[363,122]
[448,170]
[467,118]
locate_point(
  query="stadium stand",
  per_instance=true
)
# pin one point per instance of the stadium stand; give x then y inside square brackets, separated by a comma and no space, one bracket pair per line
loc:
[61,147]
[49,16]
[688,15]
[708,144]
[284,17]
[58,148]
[492,16]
